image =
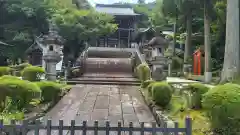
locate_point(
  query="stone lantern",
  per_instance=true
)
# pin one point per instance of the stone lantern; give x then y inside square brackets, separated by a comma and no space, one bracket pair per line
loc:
[51,59]
[158,44]
[53,52]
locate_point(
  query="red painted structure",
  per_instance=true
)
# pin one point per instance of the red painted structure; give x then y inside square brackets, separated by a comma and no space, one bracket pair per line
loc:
[197,62]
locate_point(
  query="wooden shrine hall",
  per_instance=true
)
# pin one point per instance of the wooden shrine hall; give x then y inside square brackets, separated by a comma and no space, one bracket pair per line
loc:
[126,19]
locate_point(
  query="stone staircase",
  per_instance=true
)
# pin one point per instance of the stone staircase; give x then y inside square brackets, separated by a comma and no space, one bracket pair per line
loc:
[107,70]
[105,81]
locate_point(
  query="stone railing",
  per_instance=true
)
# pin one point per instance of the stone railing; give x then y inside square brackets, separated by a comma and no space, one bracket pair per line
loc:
[140,58]
[82,60]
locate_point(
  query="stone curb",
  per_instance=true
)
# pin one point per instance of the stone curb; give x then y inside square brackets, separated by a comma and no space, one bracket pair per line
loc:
[161,119]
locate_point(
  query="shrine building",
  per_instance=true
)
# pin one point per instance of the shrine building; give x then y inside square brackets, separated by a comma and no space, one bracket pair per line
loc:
[126,19]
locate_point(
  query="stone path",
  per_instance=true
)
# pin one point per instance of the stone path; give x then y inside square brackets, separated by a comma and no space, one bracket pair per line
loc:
[101,102]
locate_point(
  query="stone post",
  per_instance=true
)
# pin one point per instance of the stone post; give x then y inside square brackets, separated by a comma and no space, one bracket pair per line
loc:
[51,59]
[169,69]
[158,72]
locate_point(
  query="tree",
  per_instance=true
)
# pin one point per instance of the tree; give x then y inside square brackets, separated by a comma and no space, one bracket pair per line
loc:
[145,12]
[20,20]
[207,42]
[231,65]
[183,9]
[78,26]
[158,20]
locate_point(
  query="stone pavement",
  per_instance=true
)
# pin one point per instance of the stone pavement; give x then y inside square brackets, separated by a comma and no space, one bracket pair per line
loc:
[101,102]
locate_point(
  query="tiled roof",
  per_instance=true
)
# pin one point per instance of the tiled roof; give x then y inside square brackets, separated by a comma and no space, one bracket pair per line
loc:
[115,10]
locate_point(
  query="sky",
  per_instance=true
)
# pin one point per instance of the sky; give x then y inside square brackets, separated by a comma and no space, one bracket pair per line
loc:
[113,1]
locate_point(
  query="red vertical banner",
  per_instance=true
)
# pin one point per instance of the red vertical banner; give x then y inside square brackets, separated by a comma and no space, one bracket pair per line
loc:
[199,62]
[195,61]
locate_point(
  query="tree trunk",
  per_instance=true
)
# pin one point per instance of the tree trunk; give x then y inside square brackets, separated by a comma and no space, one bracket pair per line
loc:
[207,43]
[188,40]
[175,31]
[231,56]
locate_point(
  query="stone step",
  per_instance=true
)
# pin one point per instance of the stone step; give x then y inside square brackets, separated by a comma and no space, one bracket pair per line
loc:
[103,83]
[124,80]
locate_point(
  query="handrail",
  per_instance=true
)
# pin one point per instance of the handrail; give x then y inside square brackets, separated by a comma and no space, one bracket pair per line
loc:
[140,56]
[84,51]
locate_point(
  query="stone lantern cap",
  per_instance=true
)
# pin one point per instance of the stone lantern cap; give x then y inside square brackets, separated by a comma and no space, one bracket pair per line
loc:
[52,56]
[157,42]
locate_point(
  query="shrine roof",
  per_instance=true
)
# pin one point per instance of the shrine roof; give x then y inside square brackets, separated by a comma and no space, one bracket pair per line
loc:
[115,9]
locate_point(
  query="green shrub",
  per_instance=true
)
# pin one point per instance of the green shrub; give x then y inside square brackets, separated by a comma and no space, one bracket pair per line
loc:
[162,93]
[143,72]
[222,104]
[50,90]
[177,63]
[197,90]
[21,92]
[9,77]
[150,89]
[32,73]
[146,83]
[4,71]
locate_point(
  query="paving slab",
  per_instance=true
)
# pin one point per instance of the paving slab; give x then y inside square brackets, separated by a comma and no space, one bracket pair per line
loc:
[103,103]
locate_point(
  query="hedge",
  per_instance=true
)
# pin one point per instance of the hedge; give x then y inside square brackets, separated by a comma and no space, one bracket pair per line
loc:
[162,93]
[32,73]
[143,72]
[4,71]
[50,90]
[21,92]
[222,104]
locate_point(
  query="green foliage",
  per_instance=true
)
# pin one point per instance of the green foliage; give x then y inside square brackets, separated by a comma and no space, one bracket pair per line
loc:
[4,71]
[83,23]
[143,72]
[146,83]
[177,63]
[50,90]
[22,19]
[77,26]
[162,93]
[158,20]
[9,77]
[197,90]
[149,88]
[21,92]
[222,104]
[7,117]
[145,11]
[32,73]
